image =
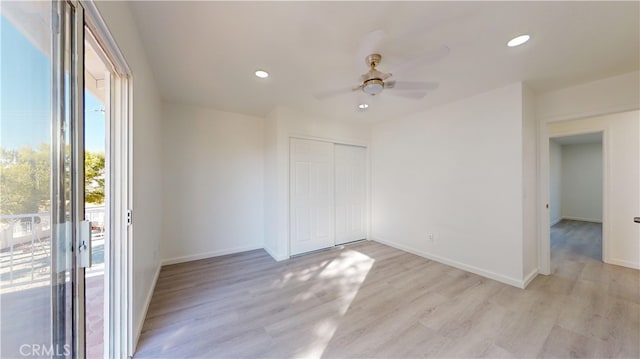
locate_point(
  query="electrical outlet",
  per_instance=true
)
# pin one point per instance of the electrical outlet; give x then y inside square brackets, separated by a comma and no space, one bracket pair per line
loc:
[431,237]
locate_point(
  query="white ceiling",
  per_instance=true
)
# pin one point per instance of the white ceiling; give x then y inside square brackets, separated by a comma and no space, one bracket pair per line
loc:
[205,53]
[94,72]
[579,139]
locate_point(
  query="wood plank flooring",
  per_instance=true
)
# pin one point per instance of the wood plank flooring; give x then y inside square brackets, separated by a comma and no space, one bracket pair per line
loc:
[368,300]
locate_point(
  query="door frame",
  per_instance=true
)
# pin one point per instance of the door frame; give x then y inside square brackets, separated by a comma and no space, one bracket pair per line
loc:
[119,332]
[544,229]
[67,210]
[78,172]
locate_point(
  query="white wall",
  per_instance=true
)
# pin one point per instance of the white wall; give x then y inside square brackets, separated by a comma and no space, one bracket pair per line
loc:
[147,159]
[282,124]
[582,182]
[455,171]
[271,195]
[622,199]
[555,182]
[213,183]
[610,95]
[529,186]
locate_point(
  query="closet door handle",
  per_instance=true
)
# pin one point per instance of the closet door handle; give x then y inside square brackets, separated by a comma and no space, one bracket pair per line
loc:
[636,219]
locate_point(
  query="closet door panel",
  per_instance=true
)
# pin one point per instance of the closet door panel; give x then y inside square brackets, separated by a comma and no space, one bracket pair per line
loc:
[312,195]
[350,193]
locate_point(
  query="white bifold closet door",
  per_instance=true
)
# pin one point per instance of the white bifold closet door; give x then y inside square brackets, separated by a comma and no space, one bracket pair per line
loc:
[350,194]
[312,195]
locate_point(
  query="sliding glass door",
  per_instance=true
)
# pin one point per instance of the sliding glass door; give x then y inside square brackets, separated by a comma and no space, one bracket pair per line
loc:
[42,180]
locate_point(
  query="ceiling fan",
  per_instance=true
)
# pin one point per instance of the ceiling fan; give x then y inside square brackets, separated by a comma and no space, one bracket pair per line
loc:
[375,81]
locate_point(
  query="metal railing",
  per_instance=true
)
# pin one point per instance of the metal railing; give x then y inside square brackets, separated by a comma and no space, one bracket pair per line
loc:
[25,247]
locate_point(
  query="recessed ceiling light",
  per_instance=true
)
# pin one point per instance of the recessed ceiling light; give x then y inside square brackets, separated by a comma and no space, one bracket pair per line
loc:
[363,106]
[262,74]
[517,41]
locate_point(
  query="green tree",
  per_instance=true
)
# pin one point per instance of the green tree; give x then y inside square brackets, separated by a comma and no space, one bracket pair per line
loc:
[94,177]
[24,180]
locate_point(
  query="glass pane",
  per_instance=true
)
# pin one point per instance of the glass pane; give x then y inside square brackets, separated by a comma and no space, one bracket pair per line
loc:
[96,95]
[35,245]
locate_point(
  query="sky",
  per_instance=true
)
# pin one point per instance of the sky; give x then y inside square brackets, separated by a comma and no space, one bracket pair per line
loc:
[25,96]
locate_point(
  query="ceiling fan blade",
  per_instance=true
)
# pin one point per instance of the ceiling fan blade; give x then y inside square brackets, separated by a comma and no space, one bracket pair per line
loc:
[426,57]
[416,95]
[411,85]
[330,93]
[386,76]
[369,45]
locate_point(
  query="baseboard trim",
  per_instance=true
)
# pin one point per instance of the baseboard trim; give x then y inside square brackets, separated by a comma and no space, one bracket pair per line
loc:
[623,263]
[195,257]
[554,222]
[528,278]
[273,255]
[465,267]
[581,219]
[140,324]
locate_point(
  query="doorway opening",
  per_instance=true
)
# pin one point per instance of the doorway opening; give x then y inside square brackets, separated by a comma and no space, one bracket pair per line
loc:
[97,208]
[576,183]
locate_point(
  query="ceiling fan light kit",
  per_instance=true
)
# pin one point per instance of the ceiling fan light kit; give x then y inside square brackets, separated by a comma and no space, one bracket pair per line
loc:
[373,87]
[373,82]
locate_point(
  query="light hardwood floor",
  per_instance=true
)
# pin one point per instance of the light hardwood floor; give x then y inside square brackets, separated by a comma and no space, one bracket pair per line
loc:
[368,300]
